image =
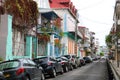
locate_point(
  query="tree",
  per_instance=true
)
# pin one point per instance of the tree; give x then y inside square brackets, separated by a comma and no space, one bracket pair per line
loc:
[108,40]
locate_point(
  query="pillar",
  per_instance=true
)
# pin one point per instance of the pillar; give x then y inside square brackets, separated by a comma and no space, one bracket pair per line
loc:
[28,46]
[35,46]
[6,37]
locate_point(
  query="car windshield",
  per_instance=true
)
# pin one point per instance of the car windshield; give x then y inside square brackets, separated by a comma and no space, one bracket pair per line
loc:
[67,56]
[9,65]
[41,59]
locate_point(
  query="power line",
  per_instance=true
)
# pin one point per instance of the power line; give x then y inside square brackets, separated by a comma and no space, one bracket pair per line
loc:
[92,5]
[94,21]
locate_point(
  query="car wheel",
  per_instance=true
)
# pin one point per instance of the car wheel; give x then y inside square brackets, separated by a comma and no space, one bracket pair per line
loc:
[75,66]
[42,77]
[66,69]
[53,73]
[27,78]
[71,67]
[62,71]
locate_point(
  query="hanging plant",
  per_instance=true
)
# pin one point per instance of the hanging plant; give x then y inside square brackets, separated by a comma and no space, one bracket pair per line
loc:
[57,22]
[24,12]
[43,38]
[57,43]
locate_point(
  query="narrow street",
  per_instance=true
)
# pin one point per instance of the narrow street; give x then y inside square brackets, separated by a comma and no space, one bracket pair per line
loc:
[93,71]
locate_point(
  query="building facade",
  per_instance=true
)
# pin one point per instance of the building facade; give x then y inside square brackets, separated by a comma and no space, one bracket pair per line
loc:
[67,11]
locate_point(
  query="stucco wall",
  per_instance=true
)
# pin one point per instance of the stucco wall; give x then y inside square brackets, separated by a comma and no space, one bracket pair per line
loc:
[68,22]
[3,35]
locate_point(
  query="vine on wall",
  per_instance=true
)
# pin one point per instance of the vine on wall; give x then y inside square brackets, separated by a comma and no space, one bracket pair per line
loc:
[24,12]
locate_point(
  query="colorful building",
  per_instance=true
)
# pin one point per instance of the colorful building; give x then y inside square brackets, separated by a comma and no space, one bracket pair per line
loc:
[67,11]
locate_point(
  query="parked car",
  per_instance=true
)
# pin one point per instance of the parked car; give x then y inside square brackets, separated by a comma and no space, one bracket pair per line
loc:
[2,76]
[73,59]
[50,65]
[87,59]
[65,63]
[82,61]
[21,69]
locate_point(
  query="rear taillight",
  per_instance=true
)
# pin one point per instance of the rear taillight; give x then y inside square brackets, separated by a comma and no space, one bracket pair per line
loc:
[20,71]
[49,63]
[81,60]
[72,59]
[62,62]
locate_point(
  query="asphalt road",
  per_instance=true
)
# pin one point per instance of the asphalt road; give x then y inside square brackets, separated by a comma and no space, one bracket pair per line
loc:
[93,71]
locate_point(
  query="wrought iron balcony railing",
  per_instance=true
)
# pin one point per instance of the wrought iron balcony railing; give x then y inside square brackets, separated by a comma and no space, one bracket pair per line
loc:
[49,30]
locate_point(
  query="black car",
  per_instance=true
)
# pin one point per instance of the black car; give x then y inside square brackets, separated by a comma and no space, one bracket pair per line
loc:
[82,61]
[87,59]
[50,65]
[2,76]
[21,69]
[65,63]
[73,59]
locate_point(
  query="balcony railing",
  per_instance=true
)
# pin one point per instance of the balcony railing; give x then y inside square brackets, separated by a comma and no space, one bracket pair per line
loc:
[49,30]
[117,7]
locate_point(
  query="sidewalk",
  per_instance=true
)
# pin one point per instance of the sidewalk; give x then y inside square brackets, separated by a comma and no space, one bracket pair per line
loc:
[116,70]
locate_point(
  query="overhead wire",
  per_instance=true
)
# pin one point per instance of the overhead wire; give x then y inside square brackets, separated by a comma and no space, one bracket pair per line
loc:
[95,21]
[92,5]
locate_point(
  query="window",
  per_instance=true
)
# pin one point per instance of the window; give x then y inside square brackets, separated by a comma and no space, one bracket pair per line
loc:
[11,64]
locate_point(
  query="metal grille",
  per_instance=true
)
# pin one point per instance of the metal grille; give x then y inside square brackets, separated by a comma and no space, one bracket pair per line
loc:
[19,43]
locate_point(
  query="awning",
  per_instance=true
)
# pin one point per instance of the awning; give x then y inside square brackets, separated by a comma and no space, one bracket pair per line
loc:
[48,13]
[78,36]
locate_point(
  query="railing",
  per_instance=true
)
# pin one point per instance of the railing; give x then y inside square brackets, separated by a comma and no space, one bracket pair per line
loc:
[49,30]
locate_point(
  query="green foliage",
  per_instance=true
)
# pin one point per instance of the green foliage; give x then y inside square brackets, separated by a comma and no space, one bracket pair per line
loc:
[1,59]
[25,12]
[108,40]
[101,53]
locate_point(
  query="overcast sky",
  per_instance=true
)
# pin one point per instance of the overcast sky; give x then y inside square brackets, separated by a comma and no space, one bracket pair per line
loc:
[97,15]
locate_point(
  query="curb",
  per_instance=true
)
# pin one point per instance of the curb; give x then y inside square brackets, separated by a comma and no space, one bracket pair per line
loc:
[115,73]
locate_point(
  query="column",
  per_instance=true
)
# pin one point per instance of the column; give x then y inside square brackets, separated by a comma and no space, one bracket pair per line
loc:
[48,49]
[6,37]
[9,39]
[29,46]
[52,44]
[35,44]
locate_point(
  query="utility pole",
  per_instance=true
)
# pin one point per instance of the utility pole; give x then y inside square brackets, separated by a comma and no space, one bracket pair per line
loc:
[76,37]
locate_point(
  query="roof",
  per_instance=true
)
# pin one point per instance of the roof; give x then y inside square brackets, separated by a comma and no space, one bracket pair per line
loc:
[59,3]
[63,4]
[81,27]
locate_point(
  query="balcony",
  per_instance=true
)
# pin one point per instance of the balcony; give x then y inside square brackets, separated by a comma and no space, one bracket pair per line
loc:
[117,7]
[49,30]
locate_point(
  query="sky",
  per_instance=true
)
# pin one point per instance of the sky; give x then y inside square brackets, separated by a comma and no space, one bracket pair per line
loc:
[97,15]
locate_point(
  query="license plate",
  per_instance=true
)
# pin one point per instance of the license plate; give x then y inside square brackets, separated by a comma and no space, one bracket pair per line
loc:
[7,75]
